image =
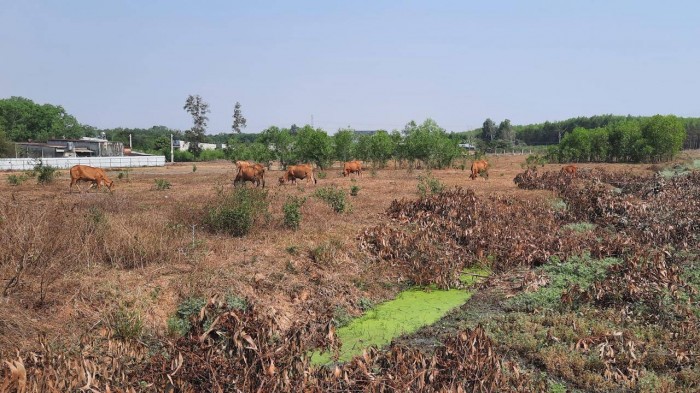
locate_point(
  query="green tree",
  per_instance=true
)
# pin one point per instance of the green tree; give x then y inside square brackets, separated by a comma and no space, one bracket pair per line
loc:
[488,131]
[625,138]
[505,132]
[6,147]
[381,148]
[313,145]
[198,109]
[665,135]
[429,143]
[575,146]
[257,152]
[279,142]
[23,120]
[343,142]
[600,144]
[238,120]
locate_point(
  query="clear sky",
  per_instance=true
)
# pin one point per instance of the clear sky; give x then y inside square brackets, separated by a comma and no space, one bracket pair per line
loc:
[364,64]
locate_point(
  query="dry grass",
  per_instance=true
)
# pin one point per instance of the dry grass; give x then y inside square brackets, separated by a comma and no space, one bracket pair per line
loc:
[81,256]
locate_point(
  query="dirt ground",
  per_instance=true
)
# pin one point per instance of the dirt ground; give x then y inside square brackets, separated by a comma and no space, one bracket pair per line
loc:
[271,266]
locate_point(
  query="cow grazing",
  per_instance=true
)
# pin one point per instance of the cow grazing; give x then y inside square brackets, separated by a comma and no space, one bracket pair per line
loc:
[479,167]
[254,174]
[569,169]
[96,176]
[294,172]
[352,167]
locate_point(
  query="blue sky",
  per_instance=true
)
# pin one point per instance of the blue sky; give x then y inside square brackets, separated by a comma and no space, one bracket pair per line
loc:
[364,64]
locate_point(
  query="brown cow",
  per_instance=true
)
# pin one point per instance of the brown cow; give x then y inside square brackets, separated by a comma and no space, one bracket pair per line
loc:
[254,174]
[569,169]
[354,166]
[294,172]
[478,167]
[96,176]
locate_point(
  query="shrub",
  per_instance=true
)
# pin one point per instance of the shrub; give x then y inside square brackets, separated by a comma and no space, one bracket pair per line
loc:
[162,184]
[429,185]
[334,197]
[234,213]
[45,174]
[365,304]
[194,168]
[533,161]
[292,211]
[354,190]
[321,175]
[15,180]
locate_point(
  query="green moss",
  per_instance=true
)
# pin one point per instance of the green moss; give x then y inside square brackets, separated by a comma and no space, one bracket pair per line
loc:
[411,310]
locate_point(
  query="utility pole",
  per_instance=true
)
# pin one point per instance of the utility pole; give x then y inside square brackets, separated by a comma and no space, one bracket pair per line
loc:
[312,120]
[130,142]
[172,148]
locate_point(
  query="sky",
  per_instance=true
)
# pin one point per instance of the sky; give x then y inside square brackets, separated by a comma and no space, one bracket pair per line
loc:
[360,64]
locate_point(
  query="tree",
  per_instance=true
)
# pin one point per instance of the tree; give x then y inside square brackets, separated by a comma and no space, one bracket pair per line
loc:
[313,145]
[665,135]
[488,131]
[343,142]
[6,147]
[381,148]
[238,120]
[198,109]
[279,142]
[22,119]
[430,144]
[505,131]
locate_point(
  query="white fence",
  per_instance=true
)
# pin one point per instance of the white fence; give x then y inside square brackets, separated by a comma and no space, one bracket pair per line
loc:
[22,164]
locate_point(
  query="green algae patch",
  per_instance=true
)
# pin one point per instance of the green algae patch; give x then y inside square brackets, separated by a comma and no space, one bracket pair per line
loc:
[409,311]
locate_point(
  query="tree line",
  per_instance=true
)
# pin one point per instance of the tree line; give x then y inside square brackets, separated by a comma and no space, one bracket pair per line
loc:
[657,138]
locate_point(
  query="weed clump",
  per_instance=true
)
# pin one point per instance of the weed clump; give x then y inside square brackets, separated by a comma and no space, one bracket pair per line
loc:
[234,213]
[162,184]
[334,197]
[354,190]
[126,324]
[428,185]
[16,180]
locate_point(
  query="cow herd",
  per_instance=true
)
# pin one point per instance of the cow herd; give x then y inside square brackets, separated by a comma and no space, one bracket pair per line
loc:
[255,173]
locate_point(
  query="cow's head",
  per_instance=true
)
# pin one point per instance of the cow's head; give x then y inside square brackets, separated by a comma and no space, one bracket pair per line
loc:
[109,184]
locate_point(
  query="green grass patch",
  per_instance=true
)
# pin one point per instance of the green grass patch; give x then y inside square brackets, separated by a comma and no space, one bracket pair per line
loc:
[580,227]
[582,271]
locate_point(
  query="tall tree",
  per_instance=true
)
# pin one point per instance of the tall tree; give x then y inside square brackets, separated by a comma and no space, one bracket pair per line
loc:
[505,131]
[488,131]
[665,135]
[343,141]
[238,120]
[198,109]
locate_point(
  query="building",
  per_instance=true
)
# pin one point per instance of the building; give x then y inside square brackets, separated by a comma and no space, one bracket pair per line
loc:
[183,145]
[84,147]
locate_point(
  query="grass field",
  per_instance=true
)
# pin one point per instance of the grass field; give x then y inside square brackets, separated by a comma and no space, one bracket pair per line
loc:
[77,263]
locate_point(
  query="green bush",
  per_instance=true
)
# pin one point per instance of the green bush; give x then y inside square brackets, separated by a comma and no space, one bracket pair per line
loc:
[292,211]
[321,175]
[162,184]
[354,190]
[45,174]
[194,168]
[236,212]
[16,180]
[212,155]
[334,197]
[429,185]
[183,156]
